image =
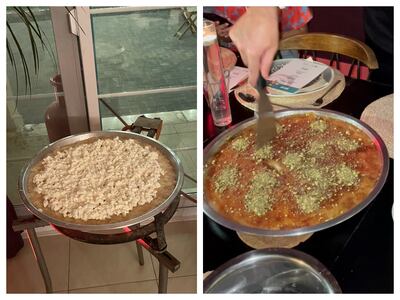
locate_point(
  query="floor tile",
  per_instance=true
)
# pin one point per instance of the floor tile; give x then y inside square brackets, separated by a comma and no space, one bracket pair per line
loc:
[180,140]
[172,141]
[186,202]
[184,215]
[193,156]
[190,114]
[186,127]
[182,240]
[186,284]
[112,123]
[187,139]
[189,154]
[97,265]
[189,167]
[169,117]
[188,184]
[149,286]
[185,158]
[168,129]
[181,115]
[23,274]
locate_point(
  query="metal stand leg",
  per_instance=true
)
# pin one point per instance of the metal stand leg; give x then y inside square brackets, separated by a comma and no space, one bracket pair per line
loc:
[37,252]
[163,278]
[140,253]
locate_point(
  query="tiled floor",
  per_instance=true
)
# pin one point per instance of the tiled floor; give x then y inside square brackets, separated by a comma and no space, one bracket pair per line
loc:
[77,267]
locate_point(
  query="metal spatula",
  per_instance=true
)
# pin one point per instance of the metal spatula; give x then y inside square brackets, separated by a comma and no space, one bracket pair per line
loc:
[266,123]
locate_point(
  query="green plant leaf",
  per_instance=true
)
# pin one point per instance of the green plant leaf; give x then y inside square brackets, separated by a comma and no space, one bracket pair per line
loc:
[23,61]
[31,30]
[12,60]
[43,38]
[36,36]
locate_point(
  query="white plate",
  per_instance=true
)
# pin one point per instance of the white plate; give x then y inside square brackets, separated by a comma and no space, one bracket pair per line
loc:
[319,83]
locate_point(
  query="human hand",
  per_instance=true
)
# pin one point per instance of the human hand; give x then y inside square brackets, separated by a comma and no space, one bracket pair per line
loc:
[256,35]
[222,30]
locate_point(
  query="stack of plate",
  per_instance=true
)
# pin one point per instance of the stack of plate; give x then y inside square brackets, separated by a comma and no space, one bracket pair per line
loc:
[303,98]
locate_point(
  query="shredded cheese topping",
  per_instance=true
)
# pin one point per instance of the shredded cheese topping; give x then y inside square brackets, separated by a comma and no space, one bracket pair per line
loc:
[98,180]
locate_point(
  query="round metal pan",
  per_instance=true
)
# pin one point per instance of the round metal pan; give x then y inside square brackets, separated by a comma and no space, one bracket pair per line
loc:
[25,173]
[273,270]
[216,144]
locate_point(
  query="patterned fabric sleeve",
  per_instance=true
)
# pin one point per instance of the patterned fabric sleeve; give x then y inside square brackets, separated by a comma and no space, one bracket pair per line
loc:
[231,13]
[292,17]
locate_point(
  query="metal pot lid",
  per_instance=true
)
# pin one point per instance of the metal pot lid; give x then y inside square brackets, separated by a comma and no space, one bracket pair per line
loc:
[25,173]
[273,270]
[219,141]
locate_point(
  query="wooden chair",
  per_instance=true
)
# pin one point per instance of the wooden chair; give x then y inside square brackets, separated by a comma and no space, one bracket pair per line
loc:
[336,45]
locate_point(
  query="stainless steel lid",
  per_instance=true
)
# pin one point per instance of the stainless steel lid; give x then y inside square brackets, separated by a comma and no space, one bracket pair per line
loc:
[273,270]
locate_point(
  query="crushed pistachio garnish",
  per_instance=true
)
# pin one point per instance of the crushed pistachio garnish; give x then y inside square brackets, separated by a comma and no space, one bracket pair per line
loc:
[293,160]
[264,152]
[317,176]
[310,201]
[346,175]
[317,188]
[346,144]
[259,198]
[319,125]
[317,148]
[226,179]
[240,144]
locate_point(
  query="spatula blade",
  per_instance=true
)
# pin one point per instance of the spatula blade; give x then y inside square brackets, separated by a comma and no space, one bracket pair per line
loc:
[266,122]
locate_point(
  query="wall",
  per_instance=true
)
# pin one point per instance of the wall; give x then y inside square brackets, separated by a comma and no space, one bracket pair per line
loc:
[342,20]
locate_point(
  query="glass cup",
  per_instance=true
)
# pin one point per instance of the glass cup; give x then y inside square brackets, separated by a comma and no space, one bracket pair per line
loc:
[216,80]
[209,31]
[216,91]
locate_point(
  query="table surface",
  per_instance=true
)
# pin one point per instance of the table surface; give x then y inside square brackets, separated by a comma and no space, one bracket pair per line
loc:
[359,251]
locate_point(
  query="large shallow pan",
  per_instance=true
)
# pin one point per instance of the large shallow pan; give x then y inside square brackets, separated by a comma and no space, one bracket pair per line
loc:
[25,173]
[216,144]
[270,271]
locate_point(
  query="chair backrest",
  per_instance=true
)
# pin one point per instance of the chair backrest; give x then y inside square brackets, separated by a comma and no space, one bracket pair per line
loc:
[335,44]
